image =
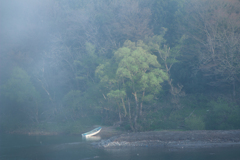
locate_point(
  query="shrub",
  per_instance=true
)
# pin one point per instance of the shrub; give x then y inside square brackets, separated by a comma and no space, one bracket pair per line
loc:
[223,115]
[194,123]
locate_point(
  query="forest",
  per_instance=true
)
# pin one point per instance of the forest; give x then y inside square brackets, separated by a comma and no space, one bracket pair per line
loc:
[135,64]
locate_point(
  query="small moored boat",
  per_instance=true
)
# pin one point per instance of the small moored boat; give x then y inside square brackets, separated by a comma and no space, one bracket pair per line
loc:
[92,132]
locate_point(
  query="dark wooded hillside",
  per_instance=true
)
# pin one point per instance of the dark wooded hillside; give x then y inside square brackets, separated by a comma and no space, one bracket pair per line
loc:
[141,65]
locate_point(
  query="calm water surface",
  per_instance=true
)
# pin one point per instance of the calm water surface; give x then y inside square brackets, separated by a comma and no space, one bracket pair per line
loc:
[22,147]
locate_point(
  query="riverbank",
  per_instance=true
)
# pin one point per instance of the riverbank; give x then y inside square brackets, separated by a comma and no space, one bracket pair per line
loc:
[174,139]
[33,133]
[113,137]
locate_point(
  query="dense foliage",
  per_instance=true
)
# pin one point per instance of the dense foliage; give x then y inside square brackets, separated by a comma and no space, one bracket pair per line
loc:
[142,65]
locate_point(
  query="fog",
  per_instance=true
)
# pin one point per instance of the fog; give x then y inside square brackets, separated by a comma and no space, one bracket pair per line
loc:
[141,65]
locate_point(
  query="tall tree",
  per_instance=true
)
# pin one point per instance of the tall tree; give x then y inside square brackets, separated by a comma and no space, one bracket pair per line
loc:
[21,96]
[167,57]
[138,74]
[215,27]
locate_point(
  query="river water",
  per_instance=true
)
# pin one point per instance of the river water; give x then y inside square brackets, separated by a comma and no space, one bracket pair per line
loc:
[23,147]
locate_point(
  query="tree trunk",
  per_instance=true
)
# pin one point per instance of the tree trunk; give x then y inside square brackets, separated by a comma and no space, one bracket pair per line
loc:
[119,113]
[136,113]
[129,115]
[124,107]
[37,115]
[120,118]
[234,90]
[140,111]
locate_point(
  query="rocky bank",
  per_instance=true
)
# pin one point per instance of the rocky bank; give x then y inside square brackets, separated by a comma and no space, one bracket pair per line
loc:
[174,139]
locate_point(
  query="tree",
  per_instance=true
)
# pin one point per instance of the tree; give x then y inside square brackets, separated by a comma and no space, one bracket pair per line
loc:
[215,27]
[138,73]
[164,14]
[118,97]
[20,92]
[72,101]
[167,57]
[85,65]
[132,20]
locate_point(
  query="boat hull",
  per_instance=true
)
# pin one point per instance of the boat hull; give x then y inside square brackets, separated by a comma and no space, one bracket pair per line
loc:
[92,133]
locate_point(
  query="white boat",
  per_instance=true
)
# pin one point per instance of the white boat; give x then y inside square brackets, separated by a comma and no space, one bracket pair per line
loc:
[92,138]
[92,132]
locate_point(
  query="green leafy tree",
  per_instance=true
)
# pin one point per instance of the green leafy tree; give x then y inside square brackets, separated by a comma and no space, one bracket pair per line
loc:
[20,93]
[118,97]
[138,73]
[72,103]
[164,14]
[85,66]
[167,57]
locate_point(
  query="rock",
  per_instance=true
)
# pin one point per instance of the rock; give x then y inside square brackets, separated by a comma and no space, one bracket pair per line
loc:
[173,139]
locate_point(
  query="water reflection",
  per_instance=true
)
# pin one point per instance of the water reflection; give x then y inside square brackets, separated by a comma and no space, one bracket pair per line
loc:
[64,147]
[92,138]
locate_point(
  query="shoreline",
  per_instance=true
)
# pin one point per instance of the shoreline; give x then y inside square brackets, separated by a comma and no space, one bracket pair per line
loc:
[34,133]
[106,132]
[173,139]
[113,138]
